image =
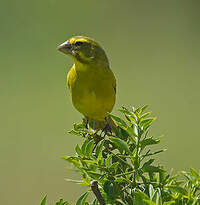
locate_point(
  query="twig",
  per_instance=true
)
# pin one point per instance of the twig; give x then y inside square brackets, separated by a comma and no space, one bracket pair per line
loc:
[97,193]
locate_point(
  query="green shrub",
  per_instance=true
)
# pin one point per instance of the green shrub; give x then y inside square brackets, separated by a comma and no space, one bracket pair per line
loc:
[122,166]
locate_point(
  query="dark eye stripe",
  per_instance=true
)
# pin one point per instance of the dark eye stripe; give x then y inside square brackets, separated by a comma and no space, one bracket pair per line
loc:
[78,43]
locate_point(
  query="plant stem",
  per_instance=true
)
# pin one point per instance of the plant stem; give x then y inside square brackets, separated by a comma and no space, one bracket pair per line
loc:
[97,193]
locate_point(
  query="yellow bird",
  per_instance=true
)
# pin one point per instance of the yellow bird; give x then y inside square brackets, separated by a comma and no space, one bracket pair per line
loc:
[91,82]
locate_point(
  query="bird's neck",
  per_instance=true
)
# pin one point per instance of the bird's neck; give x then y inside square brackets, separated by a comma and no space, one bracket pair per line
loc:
[84,67]
[80,67]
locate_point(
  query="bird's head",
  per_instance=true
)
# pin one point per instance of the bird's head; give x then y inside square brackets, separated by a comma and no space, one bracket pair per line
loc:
[84,50]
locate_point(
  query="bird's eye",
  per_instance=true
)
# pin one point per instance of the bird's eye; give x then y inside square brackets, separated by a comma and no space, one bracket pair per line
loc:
[78,43]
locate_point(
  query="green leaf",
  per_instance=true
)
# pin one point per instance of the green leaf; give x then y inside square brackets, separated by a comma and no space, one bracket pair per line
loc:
[135,130]
[125,111]
[131,132]
[157,197]
[99,148]
[78,150]
[78,126]
[73,160]
[121,144]
[162,176]
[153,169]
[121,202]
[149,141]
[74,181]
[121,180]
[145,123]
[89,148]
[90,161]
[138,111]
[120,122]
[82,198]
[136,162]
[86,181]
[77,133]
[94,175]
[169,203]
[108,160]
[195,174]
[147,163]
[143,108]
[108,187]
[95,202]
[154,153]
[44,200]
[123,134]
[178,189]
[141,194]
[140,197]
[133,117]
[114,166]
[117,130]
[149,168]
[61,202]
[83,147]
[189,176]
[149,202]
[145,115]
[151,191]
[99,152]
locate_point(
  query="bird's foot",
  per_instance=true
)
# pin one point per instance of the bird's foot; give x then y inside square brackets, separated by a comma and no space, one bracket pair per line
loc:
[86,124]
[107,129]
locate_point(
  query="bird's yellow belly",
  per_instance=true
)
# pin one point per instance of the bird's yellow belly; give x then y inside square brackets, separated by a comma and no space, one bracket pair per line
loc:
[91,103]
[92,92]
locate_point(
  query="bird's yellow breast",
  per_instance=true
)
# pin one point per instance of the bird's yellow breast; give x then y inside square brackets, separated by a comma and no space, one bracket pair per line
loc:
[92,90]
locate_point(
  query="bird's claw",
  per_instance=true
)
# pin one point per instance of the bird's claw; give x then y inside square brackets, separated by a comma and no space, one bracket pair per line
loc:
[106,129]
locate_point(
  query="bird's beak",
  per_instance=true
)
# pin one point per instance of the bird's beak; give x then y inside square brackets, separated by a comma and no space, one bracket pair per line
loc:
[65,47]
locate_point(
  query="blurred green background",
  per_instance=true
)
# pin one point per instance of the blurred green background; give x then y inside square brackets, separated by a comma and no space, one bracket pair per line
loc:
[154,51]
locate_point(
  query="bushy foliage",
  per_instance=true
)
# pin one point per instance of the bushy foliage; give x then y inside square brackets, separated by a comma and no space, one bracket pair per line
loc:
[123,164]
